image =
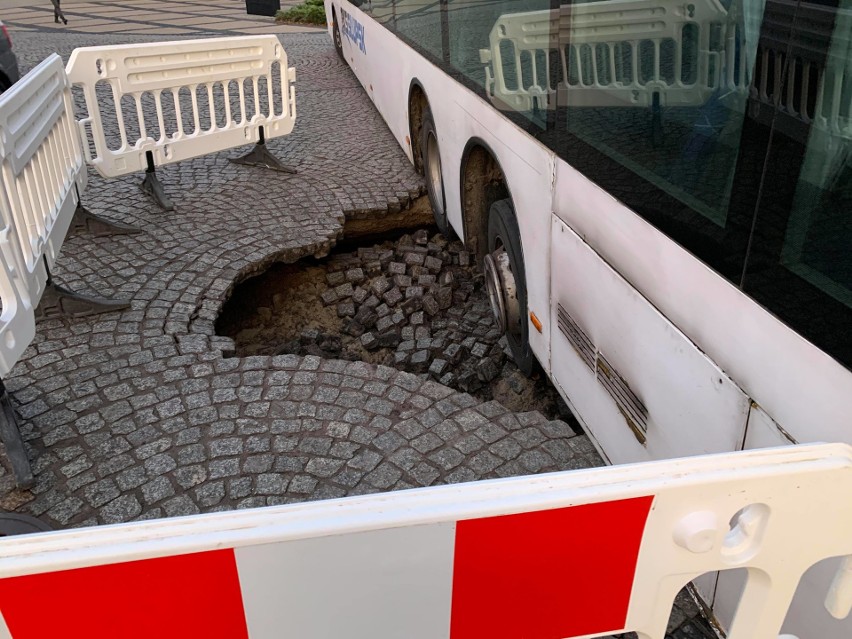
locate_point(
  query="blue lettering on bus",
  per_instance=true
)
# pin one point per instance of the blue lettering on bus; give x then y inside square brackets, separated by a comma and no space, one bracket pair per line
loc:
[354,30]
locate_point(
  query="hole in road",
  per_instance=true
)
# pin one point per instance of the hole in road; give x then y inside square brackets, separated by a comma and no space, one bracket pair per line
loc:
[414,301]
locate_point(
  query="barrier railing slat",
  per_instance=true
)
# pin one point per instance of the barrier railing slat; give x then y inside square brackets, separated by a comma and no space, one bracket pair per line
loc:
[17,320]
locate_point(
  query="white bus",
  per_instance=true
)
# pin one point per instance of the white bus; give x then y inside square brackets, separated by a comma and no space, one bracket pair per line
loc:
[659,192]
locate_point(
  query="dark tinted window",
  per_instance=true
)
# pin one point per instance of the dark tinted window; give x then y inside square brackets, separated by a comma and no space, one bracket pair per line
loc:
[800,260]
[650,100]
[416,21]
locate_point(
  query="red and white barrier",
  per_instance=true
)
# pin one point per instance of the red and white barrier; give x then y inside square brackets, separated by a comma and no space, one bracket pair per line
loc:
[573,554]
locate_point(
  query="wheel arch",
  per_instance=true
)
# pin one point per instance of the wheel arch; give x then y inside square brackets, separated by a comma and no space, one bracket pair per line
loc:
[418,102]
[482,182]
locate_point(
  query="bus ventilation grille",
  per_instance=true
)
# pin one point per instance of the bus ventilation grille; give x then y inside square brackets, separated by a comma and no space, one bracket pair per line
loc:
[576,337]
[629,405]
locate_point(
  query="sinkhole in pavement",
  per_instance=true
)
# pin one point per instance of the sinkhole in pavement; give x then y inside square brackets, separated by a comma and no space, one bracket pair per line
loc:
[414,301]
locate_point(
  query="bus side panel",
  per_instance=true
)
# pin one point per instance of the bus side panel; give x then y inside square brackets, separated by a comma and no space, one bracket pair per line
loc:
[353,37]
[692,408]
[460,115]
[380,59]
[806,391]
[763,432]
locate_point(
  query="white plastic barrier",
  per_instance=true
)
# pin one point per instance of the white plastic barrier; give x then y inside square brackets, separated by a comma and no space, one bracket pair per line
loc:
[180,100]
[17,318]
[561,555]
[611,53]
[42,166]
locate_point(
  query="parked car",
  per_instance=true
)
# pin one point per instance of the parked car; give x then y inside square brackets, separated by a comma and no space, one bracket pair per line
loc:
[8,62]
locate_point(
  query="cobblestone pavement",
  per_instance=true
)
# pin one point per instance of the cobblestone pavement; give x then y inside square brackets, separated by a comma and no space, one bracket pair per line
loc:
[137,415]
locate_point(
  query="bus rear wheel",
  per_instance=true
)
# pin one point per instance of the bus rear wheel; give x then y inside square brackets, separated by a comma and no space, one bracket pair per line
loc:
[431,162]
[506,284]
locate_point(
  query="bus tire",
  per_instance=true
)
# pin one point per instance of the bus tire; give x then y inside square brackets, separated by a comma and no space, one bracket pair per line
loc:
[431,162]
[338,40]
[505,282]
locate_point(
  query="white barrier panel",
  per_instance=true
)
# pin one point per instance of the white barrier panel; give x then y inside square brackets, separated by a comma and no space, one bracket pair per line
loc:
[180,100]
[17,317]
[571,554]
[611,53]
[42,166]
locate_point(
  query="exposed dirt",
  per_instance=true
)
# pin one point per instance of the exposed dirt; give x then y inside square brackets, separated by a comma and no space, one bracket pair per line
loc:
[366,228]
[416,303]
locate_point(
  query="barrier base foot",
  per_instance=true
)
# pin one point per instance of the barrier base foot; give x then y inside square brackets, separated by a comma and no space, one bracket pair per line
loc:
[18,524]
[260,156]
[85,220]
[10,434]
[152,187]
[58,301]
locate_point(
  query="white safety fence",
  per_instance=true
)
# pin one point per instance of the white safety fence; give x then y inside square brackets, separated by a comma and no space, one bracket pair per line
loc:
[572,554]
[42,167]
[180,100]
[614,53]
[17,317]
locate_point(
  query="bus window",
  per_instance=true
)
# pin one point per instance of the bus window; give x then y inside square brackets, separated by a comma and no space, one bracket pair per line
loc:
[665,98]
[800,262]
[416,21]
[818,242]
[510,72]
[647,98]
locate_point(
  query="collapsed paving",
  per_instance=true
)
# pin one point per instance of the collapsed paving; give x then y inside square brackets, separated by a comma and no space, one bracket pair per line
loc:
[417,304]
[393,299]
